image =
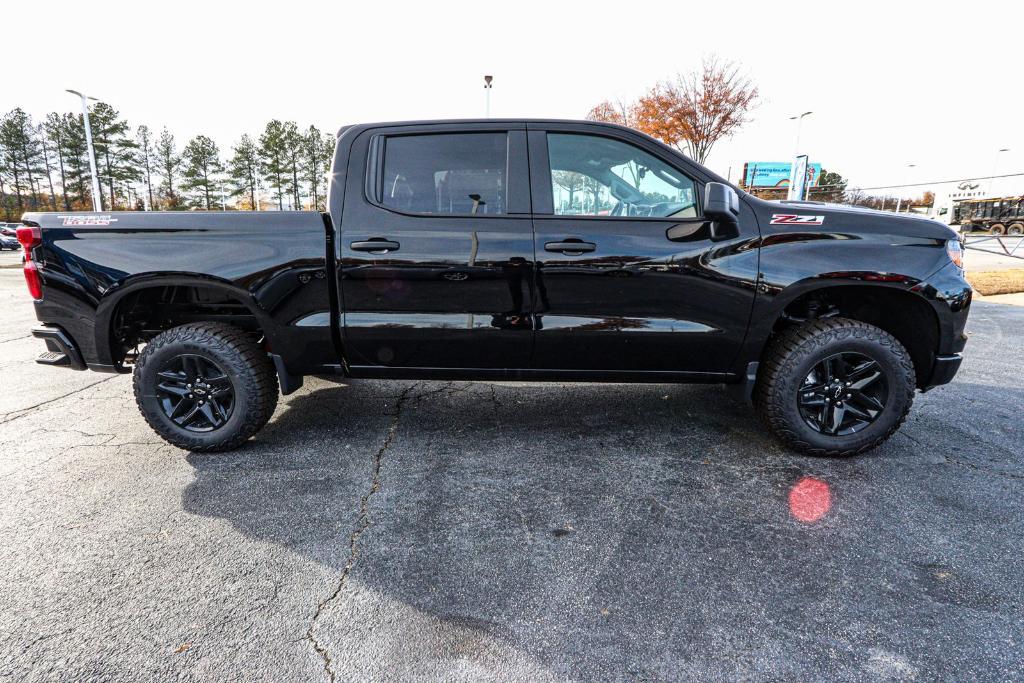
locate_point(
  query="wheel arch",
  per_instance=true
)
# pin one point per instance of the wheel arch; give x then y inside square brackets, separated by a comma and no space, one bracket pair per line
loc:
[111,310]
[905,314]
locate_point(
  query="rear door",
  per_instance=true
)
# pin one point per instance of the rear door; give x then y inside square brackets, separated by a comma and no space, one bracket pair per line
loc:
[437,248]
[628,276]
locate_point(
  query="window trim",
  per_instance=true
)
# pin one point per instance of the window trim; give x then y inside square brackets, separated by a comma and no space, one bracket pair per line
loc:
[542,168]
[373,188]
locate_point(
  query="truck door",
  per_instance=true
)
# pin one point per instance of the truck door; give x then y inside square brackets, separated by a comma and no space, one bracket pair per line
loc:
[628,276]
[437,248]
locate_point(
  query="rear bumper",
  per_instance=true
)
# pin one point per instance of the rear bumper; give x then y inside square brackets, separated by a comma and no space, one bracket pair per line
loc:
[943,371]
[61,350]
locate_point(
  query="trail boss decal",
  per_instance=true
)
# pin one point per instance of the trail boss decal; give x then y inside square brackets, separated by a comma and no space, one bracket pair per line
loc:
[88,220]
[796,219]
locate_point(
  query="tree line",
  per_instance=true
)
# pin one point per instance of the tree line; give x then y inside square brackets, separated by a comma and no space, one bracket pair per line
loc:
[44,166]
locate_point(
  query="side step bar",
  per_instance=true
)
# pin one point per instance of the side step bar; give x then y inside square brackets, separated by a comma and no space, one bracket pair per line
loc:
[60,349]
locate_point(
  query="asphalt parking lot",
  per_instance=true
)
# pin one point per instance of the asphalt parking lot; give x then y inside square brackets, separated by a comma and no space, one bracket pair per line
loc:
[397,531]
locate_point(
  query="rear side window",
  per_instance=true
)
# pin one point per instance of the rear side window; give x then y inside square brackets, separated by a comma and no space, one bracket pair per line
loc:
[461,174]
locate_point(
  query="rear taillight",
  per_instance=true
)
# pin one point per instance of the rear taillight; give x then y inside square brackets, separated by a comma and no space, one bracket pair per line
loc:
[35,285]
[955,251]
[29,237]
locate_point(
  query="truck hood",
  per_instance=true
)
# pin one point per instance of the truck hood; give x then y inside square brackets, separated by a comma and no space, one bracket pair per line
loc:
[853,218]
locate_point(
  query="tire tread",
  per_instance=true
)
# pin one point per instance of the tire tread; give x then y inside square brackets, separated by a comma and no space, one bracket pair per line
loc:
[249,362]
[796,343]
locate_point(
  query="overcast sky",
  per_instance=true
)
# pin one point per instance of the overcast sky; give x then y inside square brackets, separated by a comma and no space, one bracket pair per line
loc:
[890,83]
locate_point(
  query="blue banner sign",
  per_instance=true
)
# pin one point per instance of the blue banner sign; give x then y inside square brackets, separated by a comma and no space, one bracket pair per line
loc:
[775,173]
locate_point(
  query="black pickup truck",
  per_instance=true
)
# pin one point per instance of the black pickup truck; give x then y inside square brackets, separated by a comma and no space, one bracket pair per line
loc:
[508,250]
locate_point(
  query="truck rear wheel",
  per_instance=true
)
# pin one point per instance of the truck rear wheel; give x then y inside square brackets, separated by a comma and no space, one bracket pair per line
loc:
[997,229]
[835,387]
[205,386]
[1015,229]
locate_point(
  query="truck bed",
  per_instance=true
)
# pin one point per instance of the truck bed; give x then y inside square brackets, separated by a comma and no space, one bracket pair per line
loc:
[270,267]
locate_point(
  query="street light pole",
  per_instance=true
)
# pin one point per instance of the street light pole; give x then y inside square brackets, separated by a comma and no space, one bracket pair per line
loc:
[487,87]
[799,122]
[899,199]
[995,163]
[97,204]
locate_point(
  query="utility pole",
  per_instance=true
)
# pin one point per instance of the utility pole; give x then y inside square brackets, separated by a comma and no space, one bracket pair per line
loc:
[97,204]
[487,87]
[799,122]
[995,164]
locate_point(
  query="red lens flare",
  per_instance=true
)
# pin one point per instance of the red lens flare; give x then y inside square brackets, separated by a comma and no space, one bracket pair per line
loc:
[810,499]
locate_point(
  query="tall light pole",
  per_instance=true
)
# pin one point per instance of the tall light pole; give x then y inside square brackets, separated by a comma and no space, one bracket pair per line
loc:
[97,204]
[487,87]
[799,122]
[899,199]
[995,163]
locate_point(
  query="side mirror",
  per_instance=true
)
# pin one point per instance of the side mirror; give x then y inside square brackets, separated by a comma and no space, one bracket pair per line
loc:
[722,207]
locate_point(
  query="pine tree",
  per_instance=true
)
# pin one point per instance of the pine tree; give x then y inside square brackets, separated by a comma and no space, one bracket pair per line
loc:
[291,143]
[243,169]
[145,158]
[78,175]
[167,163]
[21,150]
[201,160]
[53,129]
[317,154]
[45,151]
[273,159]
[115,151]
[6,207]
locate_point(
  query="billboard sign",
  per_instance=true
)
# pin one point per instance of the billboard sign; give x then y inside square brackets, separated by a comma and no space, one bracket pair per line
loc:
[775,173]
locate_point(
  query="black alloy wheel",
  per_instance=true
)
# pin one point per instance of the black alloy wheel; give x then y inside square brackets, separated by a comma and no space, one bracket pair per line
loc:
[195,393]
[843,394]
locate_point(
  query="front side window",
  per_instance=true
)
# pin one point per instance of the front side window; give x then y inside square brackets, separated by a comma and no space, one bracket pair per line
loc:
[597,176]
[459,174]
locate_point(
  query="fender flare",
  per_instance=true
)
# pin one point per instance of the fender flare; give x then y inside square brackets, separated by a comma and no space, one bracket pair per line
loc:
[108,305]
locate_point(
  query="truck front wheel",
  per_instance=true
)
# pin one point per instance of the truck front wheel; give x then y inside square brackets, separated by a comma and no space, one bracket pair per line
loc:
[205,386]
[835,387]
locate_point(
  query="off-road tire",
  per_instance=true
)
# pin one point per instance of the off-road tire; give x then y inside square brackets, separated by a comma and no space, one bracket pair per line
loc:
[790,358]
[1015,229]
[248,367]
[997,229]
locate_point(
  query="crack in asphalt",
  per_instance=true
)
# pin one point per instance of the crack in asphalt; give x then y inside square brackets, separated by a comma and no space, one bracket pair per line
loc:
[362,524]
[4,341]
[22,412]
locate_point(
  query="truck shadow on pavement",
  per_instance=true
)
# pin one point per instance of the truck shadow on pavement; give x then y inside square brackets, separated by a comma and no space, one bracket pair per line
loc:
[604,531]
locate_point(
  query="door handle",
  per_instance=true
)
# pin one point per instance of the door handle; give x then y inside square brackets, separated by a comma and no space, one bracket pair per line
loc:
[376,245]
[569,247]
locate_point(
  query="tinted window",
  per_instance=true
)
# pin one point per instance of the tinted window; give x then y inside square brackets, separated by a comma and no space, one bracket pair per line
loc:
[460,174]
[597,176]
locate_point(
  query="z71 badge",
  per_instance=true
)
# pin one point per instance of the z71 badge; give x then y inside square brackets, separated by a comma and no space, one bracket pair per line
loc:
[796,219]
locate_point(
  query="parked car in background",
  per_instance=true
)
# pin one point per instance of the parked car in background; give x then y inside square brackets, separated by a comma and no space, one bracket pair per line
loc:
[7,242]
[9,229]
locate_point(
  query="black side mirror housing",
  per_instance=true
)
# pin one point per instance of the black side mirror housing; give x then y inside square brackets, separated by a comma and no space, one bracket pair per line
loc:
[722,208]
